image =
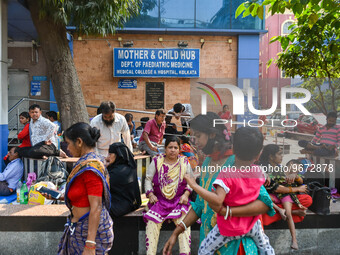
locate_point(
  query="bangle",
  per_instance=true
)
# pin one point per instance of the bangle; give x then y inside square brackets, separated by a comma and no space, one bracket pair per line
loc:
[181,226]
[230,212]
[89,241]
[219,211]
[290,189]
[90,248]
[185,226]
[226,214]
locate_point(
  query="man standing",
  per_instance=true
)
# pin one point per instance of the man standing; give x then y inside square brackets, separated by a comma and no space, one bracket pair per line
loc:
[326,139]
[43,136]
[183,111]
[112,126]
[153,134]
[53,117]
[13,172]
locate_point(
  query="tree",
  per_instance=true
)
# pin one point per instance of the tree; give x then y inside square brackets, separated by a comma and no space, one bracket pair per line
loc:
[50,18]
[312,49]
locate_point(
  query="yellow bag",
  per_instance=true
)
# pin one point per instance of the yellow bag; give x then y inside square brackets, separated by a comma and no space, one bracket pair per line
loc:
[34,196]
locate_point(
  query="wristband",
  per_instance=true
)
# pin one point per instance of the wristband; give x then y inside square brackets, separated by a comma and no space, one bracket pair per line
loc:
[90,248]
[219,211]
[89,241]
[185,226]
[181,226]
[226,214]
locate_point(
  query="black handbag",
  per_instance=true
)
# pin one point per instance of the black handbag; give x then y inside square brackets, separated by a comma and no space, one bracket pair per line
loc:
[321,196]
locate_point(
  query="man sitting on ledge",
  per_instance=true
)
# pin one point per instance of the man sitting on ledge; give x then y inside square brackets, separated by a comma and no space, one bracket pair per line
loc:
[43,135]
[153,133]
[13,172]
[327,137]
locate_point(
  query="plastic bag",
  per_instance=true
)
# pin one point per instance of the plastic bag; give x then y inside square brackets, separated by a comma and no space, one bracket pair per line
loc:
[34,196]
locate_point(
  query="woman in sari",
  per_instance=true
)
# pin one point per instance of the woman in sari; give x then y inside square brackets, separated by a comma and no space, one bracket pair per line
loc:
[89,226]
[226,114]
[294,206]
[168,195]
[214,143]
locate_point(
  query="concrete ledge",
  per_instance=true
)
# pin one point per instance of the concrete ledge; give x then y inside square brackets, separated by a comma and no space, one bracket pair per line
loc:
[27,229]
[298,136]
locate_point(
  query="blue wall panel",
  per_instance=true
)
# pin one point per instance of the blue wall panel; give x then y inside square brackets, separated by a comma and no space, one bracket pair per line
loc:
[4,140]
[248,68]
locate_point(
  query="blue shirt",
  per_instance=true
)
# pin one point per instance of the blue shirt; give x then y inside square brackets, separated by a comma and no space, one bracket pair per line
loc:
[59,126]
[13,173]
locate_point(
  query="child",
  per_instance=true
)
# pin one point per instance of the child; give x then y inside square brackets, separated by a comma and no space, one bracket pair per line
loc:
[24,119]
[234,187]
[188,151]
[288,199]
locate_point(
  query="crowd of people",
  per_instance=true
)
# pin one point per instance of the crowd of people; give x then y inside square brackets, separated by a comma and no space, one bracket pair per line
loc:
[232,205]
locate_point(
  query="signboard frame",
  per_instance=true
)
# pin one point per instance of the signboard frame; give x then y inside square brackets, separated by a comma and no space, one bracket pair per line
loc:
[146,62]
[154,95]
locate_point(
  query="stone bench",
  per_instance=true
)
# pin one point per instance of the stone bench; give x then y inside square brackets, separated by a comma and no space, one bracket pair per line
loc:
[26,229]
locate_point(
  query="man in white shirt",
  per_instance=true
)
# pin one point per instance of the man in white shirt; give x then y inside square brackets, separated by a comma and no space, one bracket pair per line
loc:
[43,136]
[13,172]
[183,111]
[112,126]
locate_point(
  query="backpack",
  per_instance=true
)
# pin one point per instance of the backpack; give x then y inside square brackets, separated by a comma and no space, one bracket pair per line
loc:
[53,170]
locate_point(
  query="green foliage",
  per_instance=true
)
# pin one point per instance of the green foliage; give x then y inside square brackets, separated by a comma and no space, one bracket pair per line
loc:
[311,51]
[90,17]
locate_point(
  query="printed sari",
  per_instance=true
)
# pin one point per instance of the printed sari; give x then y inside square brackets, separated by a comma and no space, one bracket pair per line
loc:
[75,233]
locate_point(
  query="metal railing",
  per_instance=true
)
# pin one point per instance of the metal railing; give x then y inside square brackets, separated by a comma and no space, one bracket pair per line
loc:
[16,116]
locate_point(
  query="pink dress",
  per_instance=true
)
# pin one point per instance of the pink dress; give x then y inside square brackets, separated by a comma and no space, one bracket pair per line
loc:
[242,188]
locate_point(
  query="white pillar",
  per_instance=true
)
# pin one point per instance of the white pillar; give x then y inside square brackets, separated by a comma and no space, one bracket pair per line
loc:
[4,82]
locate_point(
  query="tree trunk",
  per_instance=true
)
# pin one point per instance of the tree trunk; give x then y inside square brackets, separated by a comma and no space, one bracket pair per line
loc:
[66,85]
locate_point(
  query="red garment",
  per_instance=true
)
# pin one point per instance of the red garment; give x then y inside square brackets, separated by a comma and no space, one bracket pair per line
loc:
[225,115]
[24,135]
[304,199]
[154,131]
[242,188]
[217,154]
[241,250]
[88,183]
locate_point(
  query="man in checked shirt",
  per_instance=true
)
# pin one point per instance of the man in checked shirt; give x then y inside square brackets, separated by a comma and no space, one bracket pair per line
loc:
[43,135]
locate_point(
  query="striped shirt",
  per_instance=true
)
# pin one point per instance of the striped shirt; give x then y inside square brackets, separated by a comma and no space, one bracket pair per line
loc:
[328,136]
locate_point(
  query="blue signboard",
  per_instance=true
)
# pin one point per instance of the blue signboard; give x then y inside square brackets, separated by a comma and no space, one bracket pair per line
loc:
[127,84]
[35,88]
[39,78]
[133,62]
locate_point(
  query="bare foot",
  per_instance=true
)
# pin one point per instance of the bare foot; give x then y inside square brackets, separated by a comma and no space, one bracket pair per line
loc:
[294,245]
[282,212]
[62,154]
[301,213]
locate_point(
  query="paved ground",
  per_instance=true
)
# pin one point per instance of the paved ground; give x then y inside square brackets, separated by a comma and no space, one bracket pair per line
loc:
[294,151]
